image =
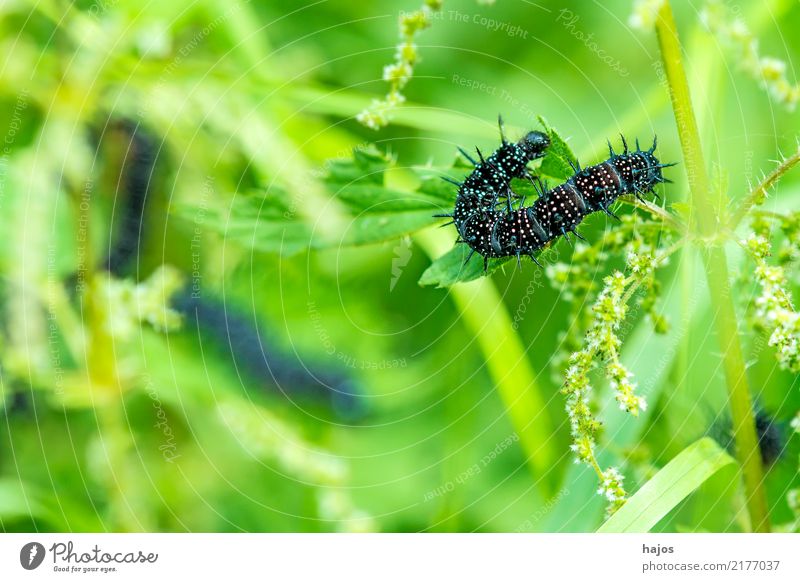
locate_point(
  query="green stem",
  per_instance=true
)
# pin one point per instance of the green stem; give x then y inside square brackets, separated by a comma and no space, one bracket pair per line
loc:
[760,191]
[707,225]
[484,313]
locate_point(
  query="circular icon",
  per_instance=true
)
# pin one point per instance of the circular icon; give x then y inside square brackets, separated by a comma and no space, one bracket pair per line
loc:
[31,555]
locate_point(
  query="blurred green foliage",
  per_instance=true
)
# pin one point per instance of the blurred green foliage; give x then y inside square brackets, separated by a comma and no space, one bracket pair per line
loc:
[258,199]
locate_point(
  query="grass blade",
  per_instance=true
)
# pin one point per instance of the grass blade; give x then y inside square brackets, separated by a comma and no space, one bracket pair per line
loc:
[671,485]
[484,313]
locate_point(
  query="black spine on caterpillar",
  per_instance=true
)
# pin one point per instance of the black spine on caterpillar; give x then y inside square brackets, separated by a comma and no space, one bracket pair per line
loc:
[508,232]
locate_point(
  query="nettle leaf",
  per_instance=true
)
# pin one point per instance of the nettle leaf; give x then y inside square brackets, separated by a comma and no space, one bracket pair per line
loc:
[364,198]
[367,165]
[556,163]
[441,190]
[269,221]
[450,269]
[378,213]
[371,228]
[268,234]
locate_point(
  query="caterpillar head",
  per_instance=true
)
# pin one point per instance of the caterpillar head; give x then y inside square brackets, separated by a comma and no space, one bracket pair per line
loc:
[640,169]
[648,176]
[534,144]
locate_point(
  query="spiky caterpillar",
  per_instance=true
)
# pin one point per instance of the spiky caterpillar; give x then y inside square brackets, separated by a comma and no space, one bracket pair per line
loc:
[508,232]
[244,343]
[490,181]
[771,432]
[138,176]
[238,337]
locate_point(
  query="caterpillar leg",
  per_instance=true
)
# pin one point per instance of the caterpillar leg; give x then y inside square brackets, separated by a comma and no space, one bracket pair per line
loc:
[604,206]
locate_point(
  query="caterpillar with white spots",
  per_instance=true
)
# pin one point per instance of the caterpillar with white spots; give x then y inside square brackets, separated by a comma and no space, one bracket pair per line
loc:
[488,223]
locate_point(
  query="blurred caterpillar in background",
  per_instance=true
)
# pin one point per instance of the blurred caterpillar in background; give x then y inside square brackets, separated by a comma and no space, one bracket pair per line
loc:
[137,176]
[494,232]
[771,438]
[233,332]
[236,335]
[771,433]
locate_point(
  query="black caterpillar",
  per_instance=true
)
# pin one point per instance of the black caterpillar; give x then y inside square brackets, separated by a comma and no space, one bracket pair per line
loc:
[773,442]
[493,231]
[237,336]
[138,178]
[245,344]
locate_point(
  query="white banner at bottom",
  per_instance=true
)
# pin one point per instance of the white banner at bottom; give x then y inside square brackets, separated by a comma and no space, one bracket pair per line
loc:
[401,557]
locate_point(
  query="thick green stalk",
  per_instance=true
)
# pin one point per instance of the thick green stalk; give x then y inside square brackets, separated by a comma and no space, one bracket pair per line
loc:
[484,313]
[706,225]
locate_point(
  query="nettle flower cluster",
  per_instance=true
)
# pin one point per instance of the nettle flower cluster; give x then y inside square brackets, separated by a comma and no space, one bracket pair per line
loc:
[135,303]
[577,284]
[774,311]
[601,346]
[400,71]
[734,33]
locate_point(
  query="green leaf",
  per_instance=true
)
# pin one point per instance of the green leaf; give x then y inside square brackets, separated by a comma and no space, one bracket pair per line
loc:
[269,222]
[372,228]
[365,198]
[439,189]
[451,268]
[267,234]
[671,485]
[366,166]
[557,163]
